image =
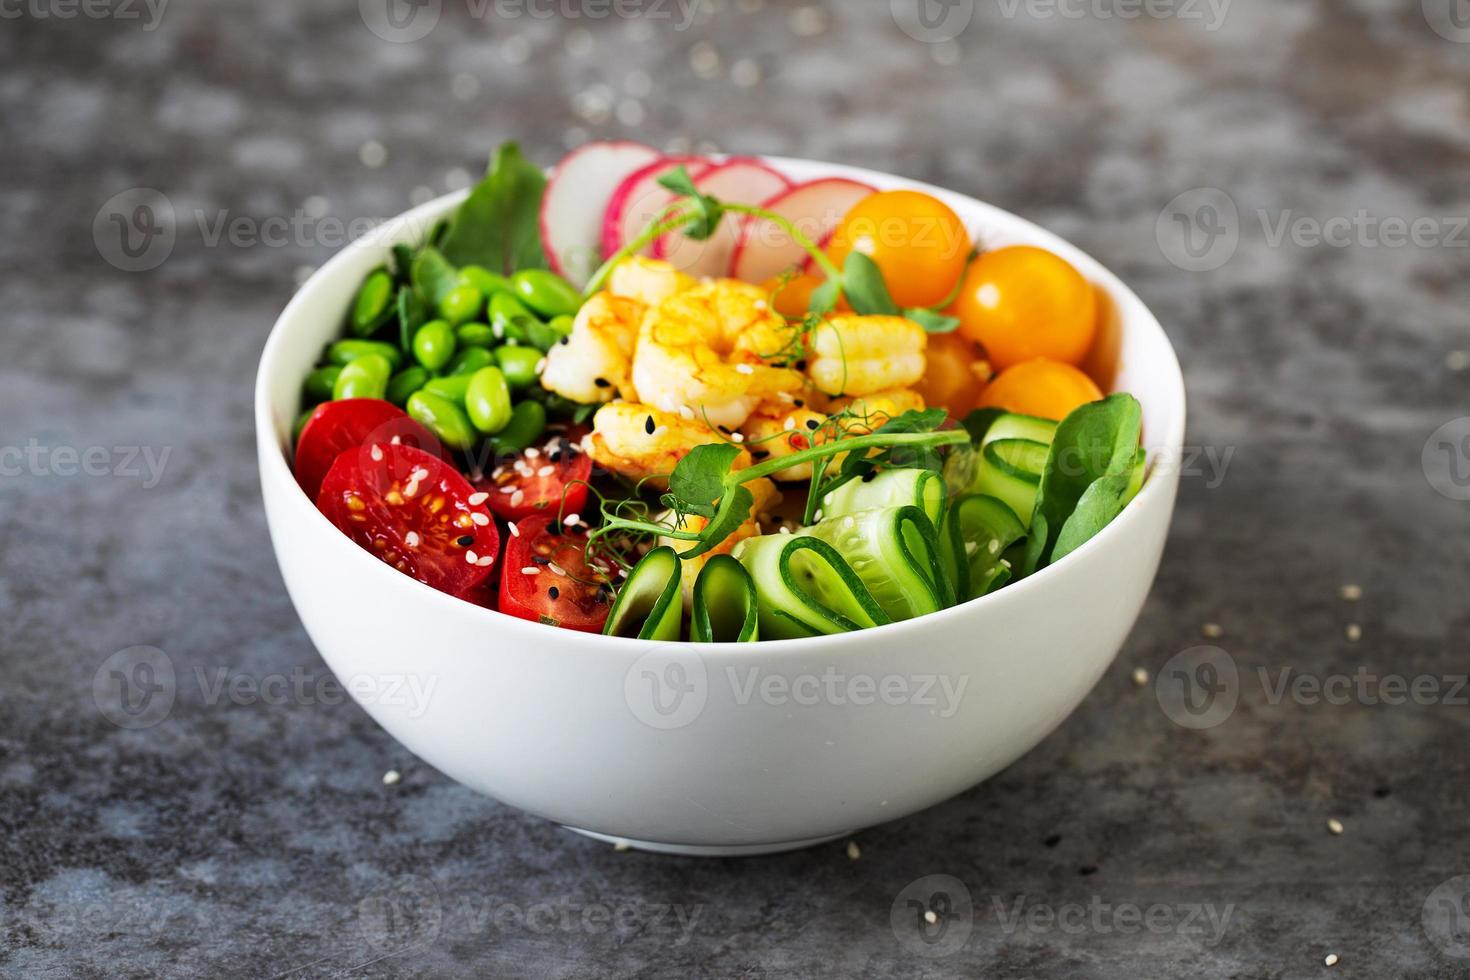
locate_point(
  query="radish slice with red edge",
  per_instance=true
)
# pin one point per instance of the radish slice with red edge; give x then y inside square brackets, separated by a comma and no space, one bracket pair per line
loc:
[739,180]
[639,199]
[815,207]
[576,198]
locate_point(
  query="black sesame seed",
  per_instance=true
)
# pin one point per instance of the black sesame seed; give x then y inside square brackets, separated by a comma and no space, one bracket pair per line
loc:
[540,560]
[565,340]
[760,453]
[465,540]
[602,382]
[724,430]
[868,476]
[648,425]
[554,592]
[812,424]
[801,365]
[800,404]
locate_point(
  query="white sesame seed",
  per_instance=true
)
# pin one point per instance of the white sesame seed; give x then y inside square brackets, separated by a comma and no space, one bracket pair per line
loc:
[391,777]
[817,515]
[1330,959]
[555,568]
[530,570]
[486,561]
[1354,632]
[546,470]
[1212,631]
[515,532]
[1350,593]
[1140,677]
[419,474]
[506,490]
[476,499]
[572,520]
[661,430]
[396,441]
[411,539]
[479,518]
[533,453]
[376,453]
[930,917]
[745,368]
[853,853]
[686,412]
[736,437]
[516,498]
[1334,826]
[783,529]
[790,422]
[471,557]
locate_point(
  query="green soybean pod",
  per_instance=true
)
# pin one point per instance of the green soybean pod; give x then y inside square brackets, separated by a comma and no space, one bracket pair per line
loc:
[319,383]
[405,383]
[433,344]
[546,292]
[442,417]
[344,352]
[527,422]
[487,282]
[374,303]
[475,335]
[461,305]
[363,377]
[510,317]
[518,364]
[470,360]
[487,400]
[452,387]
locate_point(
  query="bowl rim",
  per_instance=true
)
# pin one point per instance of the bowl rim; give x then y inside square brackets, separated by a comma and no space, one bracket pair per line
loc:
[274,465]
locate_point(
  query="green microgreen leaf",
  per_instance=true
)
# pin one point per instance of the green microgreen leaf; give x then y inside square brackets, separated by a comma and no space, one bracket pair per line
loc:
[698,479]
[862,282]
[703,212]
[824,297]
[931,320]
[734,510]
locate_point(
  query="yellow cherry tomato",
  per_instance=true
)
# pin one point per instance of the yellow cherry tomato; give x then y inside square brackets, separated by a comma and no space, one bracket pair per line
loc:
[950,379]
[1023,302]
[792,299]
[1049,389]
[917,241]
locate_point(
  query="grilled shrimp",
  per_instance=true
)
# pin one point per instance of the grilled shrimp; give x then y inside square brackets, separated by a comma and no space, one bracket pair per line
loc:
[766,498]
[860,355]
[689,353]
[871,411]
[779,428]
[649,281]
[594,363]
[641,441]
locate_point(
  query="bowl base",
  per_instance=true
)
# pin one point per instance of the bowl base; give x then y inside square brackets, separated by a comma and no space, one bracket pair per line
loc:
[699,850]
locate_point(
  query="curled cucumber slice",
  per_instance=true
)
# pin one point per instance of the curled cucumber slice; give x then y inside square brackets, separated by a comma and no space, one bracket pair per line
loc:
[895,551]
[805,588]
[919,488]
[648,606]
[724,607]
[977,531]
[1010,470]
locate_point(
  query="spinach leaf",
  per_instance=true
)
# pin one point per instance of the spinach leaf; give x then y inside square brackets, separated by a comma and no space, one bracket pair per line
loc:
[432,276]
[411,316]
[498,225]
[1096,443]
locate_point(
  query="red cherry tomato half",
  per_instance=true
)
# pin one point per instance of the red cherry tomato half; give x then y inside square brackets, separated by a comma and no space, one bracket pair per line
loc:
[549,480]
[350,424]
[546,578]
[412,510]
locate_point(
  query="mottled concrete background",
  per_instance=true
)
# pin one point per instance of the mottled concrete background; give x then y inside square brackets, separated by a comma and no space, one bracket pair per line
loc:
[252,834]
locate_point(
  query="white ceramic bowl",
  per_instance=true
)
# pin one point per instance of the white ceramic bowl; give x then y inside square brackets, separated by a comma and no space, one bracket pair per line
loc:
[720,749]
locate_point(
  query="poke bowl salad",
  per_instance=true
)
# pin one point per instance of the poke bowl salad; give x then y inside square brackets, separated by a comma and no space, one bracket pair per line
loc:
[677,398]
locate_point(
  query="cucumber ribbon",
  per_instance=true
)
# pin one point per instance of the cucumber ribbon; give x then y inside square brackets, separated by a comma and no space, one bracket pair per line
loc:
[804,587]
[724,607]
[648,606]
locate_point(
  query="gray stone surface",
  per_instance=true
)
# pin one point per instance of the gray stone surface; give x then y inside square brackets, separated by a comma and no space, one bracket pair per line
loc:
[253,836]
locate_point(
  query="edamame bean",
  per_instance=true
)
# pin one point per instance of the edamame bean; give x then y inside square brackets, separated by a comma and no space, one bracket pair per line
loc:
[344,352]
[442,417]
[475,335]
[541,335]
[510,316]
[562,325]
[487,282]
[433,344]
[518,364]
[546,292]
[405,383]
[470,360]
[452,387]
[461,304]
[527,422]
[363,377]
[319,383]
[487,400]
[374,303]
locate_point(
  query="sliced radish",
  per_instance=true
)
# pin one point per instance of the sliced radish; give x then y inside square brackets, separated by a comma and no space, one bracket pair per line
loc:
[816,208]
[576,197]
[639,198]
[739,180]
